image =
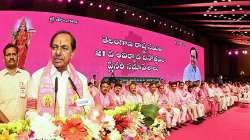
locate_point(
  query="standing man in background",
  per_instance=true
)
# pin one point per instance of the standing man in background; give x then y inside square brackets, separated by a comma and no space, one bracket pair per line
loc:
[13,87]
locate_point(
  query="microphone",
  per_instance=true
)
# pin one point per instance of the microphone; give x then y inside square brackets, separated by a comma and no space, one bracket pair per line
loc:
[56,85]
[74,87]
[56,89]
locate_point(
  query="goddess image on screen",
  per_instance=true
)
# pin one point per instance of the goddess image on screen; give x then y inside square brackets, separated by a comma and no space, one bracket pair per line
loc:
[21,38]
[191,71]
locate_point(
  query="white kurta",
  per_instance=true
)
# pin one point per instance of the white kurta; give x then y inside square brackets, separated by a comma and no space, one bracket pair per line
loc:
[150,98]
[134,99]
[62,87]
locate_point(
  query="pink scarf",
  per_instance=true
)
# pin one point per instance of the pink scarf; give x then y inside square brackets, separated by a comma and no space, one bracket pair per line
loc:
[46,94]
[104,100]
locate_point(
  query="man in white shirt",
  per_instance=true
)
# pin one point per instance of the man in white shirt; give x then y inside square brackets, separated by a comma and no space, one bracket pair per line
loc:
[133,96]
[191,71]
[57,86]
[175,101]
[104,97]
[118,95]
[13,87]
[183,104]
[143,88]
[151,97]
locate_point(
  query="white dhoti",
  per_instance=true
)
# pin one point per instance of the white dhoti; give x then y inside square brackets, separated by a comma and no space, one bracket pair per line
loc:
[176,116]
[183,113]
[192,111]
[200,110]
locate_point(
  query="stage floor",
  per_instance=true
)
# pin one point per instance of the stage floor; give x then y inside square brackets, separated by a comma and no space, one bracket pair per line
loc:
[231,125]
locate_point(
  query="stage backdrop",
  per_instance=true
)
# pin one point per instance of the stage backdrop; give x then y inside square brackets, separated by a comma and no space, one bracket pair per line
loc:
[102,46]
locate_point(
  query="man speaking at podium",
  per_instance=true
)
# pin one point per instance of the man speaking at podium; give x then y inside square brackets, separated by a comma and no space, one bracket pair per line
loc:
[56,87]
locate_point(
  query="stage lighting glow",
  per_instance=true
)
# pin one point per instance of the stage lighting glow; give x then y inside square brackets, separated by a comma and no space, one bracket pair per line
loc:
[236,52]
[244,52]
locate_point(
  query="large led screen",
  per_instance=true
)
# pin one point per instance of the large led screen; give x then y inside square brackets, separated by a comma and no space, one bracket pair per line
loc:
[102,47]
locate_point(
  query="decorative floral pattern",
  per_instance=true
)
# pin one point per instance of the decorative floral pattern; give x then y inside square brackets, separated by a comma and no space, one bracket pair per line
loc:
[122,123]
